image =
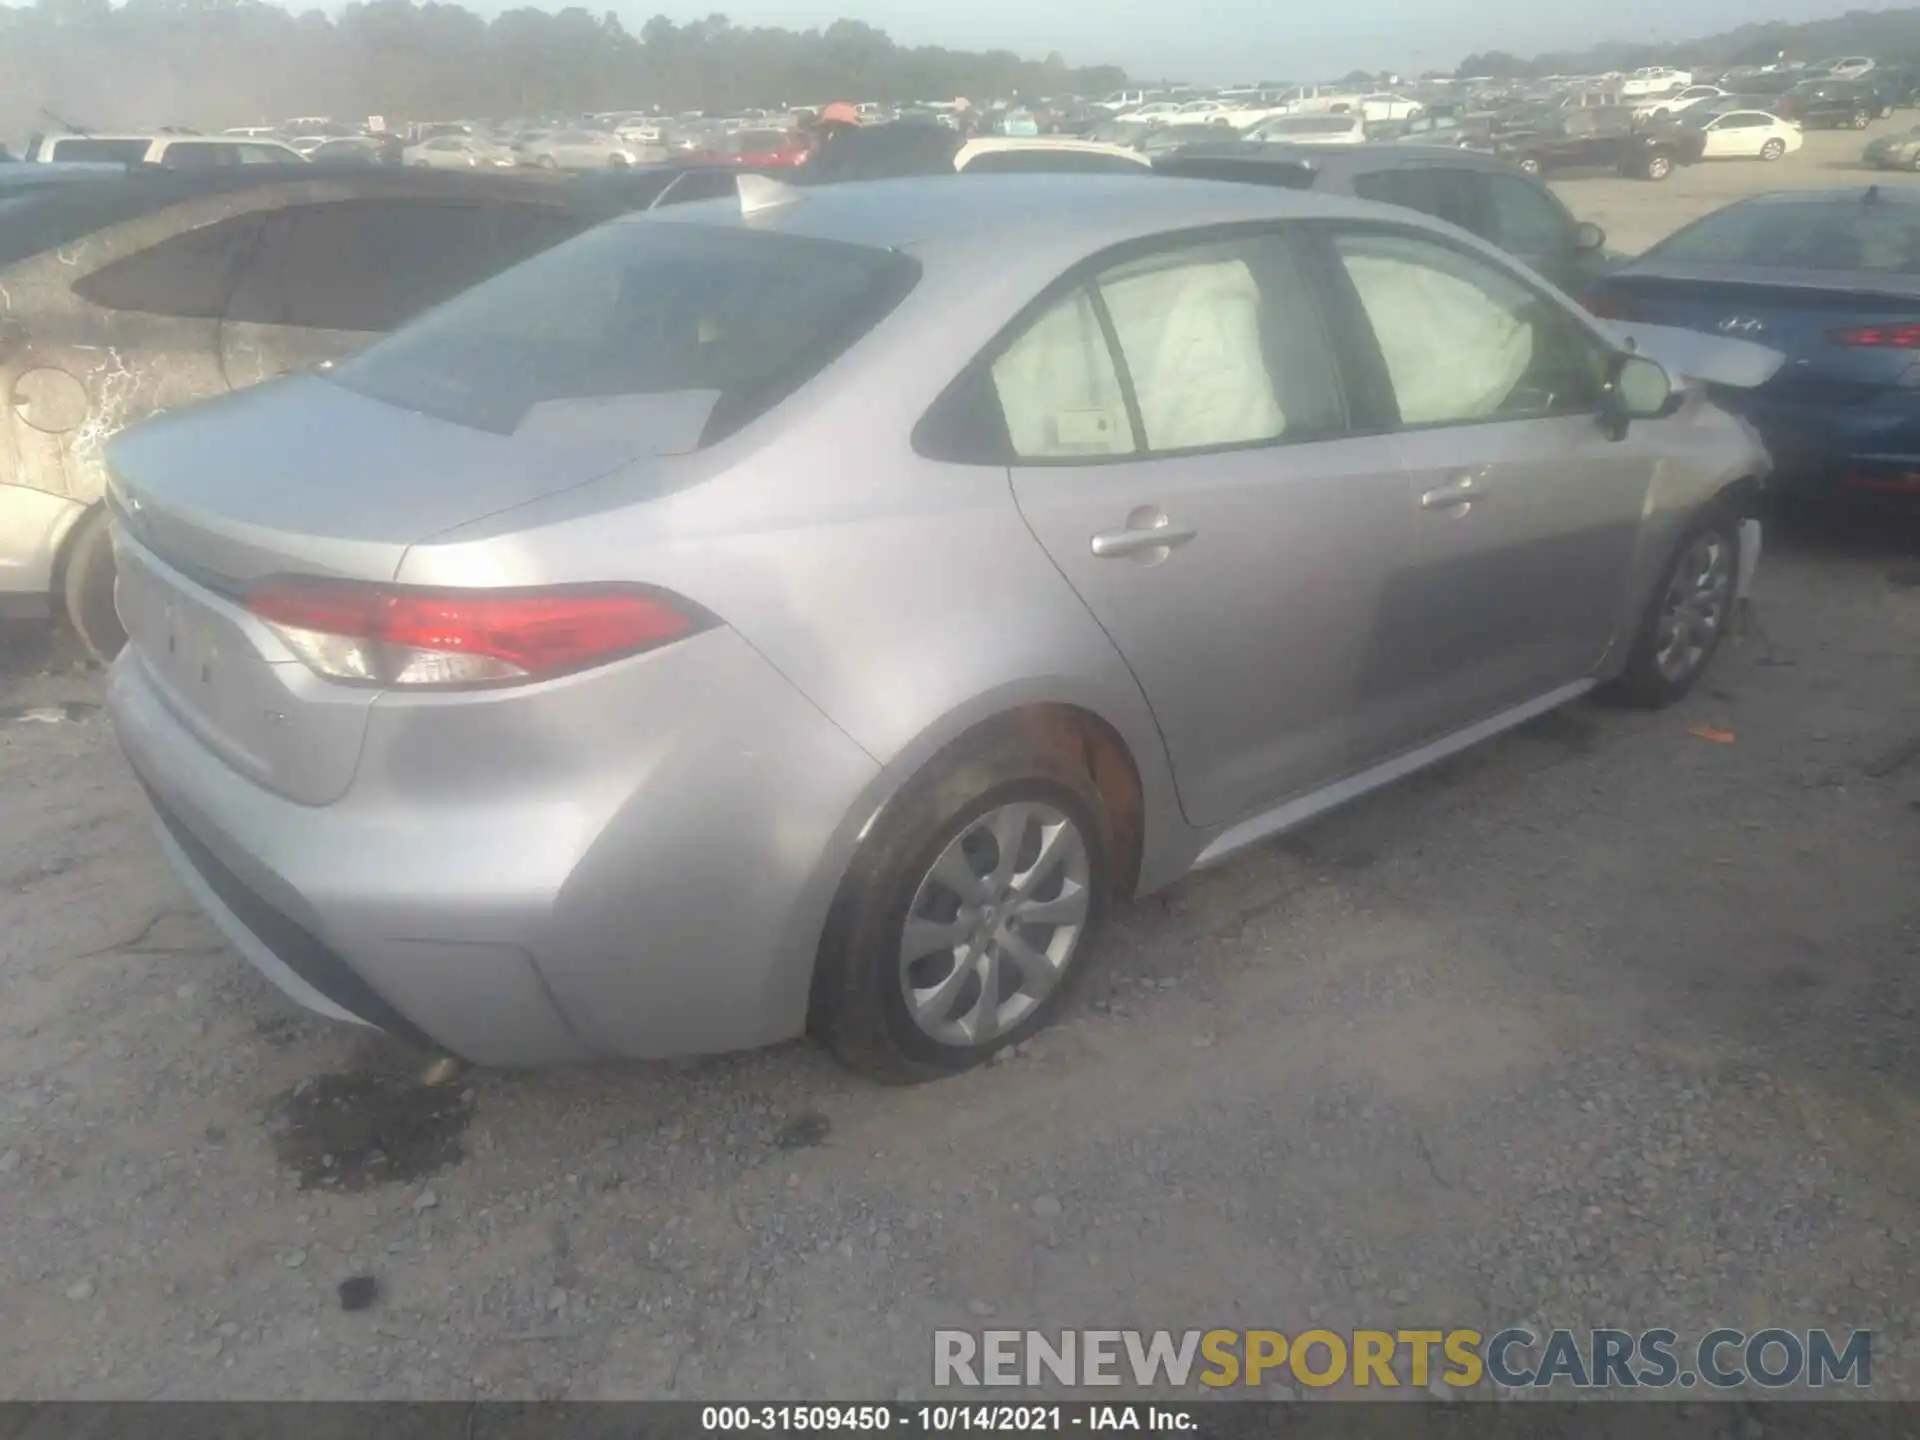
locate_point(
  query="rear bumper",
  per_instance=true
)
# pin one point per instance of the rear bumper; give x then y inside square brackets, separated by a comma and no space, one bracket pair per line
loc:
[1833,449]
[535,878]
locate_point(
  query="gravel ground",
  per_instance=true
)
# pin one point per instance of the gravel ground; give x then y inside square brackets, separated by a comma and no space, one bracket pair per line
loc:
[1600,1024]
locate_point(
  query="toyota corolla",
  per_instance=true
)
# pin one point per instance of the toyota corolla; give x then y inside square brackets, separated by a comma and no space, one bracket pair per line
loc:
[813,611]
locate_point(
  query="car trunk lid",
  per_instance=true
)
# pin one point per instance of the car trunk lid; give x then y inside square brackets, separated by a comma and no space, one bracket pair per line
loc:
[300,478]
[1841,339]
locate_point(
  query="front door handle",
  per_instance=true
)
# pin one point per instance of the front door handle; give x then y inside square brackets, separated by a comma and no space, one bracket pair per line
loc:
[1459,491]
[1145,533]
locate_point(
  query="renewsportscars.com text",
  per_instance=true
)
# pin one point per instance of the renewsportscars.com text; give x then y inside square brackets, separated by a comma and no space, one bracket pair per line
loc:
[1514,1358]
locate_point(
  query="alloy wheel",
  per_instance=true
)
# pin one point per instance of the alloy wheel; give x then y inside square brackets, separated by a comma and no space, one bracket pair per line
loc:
[1695,607]
[994,923]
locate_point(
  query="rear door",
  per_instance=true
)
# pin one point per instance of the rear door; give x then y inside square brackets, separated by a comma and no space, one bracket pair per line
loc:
[1182,448]
[326,280]
[1524,512]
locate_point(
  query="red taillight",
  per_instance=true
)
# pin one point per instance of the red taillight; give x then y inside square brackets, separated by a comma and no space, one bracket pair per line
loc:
[383,635]
[1901,335]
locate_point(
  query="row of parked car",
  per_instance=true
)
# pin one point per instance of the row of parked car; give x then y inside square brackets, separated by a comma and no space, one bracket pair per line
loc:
[623,658]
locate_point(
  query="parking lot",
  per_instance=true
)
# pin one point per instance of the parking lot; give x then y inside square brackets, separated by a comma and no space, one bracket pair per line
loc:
[1609,1022]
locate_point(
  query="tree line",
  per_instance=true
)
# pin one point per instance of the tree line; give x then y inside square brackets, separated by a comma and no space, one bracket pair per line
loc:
[1888,35]
[211,64]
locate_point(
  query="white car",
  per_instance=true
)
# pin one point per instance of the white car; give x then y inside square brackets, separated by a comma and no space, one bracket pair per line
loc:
[1749,135]
[1847,67]
[307,144]
[173,152]
[1347,129]
[457,152]
[1387,107]
[1155,112]
[1668,105]
[580,150]
[1654,80]
[1051,154]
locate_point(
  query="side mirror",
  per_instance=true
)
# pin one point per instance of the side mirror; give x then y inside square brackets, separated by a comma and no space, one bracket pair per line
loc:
[1641,390]
[1588,236]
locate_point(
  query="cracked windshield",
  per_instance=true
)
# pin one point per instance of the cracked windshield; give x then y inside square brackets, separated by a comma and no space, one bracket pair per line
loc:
[863,716]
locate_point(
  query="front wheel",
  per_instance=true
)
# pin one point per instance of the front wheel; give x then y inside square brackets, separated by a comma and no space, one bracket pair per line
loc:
[546,162]
[86,588]
[1691,611]
[1530,164]
[1861,119]
[965,913]
[1656,167]
[1773,149]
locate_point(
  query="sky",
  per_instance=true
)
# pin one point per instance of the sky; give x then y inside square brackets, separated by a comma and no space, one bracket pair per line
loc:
[1222,41]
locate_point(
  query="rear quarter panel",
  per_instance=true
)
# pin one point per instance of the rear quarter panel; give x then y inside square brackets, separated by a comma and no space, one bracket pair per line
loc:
[905,598]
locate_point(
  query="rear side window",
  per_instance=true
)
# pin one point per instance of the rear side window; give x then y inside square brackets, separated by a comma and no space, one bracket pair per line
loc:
[372,265]
[188,275]
[119,152]
[1218,345]
[199,155]
[1444,192]
[668,323]
[1038,161]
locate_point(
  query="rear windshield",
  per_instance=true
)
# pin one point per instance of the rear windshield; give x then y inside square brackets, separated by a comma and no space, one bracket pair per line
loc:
[1879,236]
[690,327]
[1310,125]
[60,215]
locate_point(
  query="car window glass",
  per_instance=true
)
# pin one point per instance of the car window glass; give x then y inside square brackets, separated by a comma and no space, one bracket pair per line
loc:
[198,155]
[1463,341]
[1440,191]
[1059,388]
[120,152]
[265,155]
[682,333]
[702,185]
[1525,220]
[369,265]
[1813,234]
[1024,162]
[187,275]
[1223,346]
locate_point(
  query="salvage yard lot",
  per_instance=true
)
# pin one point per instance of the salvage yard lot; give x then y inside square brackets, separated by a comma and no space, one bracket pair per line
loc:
[1605,1023]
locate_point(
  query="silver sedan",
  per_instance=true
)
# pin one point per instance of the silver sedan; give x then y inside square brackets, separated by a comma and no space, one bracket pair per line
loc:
[580,150]
[814,610]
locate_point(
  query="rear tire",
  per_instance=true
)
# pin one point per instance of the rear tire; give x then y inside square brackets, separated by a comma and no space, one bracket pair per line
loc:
[1687,617]
[546,162]
[1773,149]
[861,1006]
[1530,164]
[1861,119]
[1656,167]
[86,588]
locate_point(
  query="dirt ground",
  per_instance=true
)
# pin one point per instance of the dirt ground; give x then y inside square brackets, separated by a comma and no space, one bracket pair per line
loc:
[1601,1024]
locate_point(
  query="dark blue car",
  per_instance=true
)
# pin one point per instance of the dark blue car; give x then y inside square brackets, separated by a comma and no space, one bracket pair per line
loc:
[1830,279]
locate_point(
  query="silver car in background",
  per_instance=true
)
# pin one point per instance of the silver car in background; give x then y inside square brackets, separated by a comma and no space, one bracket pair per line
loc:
[813,611]
[459,152]
[584,150]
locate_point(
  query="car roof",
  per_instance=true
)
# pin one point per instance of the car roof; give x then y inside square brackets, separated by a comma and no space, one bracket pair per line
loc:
[1326,159]
[1002,216]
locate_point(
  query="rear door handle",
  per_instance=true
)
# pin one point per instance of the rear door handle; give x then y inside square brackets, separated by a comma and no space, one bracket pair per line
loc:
[1458,491]
[1117,544]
